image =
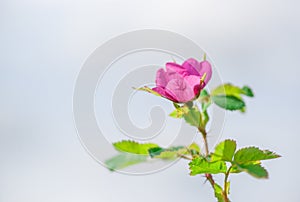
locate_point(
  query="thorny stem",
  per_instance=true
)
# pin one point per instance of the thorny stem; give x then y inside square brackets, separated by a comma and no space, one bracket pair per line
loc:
[204,135]
[209,176]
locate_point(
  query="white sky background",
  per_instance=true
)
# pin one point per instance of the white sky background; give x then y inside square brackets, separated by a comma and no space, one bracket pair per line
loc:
[44,44]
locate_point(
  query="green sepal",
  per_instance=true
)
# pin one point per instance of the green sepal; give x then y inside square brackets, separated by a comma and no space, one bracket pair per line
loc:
[193,116]
[203,93]
[179,111]
[205,100]
[147,89]
[176,105]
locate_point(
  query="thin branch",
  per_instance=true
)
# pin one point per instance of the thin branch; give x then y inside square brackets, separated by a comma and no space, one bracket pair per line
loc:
[184,157]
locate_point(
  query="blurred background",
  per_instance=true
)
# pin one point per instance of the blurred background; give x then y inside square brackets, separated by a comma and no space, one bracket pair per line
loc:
[45,43]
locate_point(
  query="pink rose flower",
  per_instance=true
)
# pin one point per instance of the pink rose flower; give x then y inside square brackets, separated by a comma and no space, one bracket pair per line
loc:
[182,83]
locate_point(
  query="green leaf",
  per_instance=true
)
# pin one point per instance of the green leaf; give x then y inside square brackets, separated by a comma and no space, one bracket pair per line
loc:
[250,154]
[256,170]
[147,89]
[167,154]
[229,97]
[134,147]
[218,192]
[243,110]
[224,151]
[236,169]
[155,151]
[228,102]
[194,149]
[124,160]
[171,155]
[192,116]
[229,89]
[247,91]
[200,165]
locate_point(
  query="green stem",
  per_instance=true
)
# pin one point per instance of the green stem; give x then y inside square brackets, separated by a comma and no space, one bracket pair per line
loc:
[204,135]
[225,196]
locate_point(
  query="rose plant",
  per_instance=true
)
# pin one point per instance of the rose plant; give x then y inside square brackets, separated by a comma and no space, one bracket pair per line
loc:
[184,86]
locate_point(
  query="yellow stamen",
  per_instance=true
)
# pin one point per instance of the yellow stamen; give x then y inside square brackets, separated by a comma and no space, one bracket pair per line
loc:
[203,77]
[202,80]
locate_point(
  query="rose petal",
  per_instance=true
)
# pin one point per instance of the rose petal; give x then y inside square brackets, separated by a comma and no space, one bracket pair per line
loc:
[161,78]
[164,93]
[173,67]
[181,91]
[192,66]
[205,67]
[181,83]
[194,82]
